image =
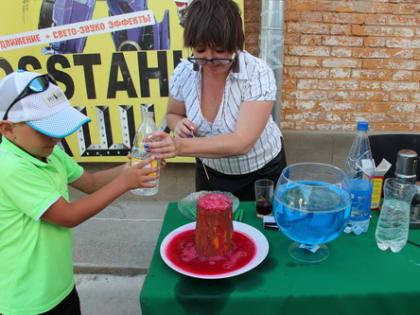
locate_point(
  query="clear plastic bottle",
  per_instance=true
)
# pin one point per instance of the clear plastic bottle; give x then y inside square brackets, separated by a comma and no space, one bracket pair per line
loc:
[393,223]
[360,168]
[139,153]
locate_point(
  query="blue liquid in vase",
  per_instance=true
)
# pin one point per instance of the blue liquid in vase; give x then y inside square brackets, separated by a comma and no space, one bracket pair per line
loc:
[311,212]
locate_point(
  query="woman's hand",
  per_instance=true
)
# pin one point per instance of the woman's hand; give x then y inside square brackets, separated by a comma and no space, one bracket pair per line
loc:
[185,128]
[162,145]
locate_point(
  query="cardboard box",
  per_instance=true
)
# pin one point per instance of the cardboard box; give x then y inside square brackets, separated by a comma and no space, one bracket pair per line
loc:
[377,184]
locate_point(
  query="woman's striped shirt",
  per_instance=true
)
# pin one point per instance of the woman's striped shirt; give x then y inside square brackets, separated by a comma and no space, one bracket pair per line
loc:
[254,82]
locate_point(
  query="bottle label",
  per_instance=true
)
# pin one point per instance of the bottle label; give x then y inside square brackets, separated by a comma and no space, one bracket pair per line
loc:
[154,164]
[377,183]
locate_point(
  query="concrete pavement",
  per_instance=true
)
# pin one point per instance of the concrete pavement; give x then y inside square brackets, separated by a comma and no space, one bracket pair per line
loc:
[105,294]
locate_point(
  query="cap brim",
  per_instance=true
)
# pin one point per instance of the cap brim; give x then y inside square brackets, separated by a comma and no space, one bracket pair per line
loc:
[61,124]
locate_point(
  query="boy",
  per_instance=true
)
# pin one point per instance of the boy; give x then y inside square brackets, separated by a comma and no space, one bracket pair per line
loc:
[36,217]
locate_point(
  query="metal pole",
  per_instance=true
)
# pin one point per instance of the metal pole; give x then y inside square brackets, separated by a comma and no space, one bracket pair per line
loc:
[271,44]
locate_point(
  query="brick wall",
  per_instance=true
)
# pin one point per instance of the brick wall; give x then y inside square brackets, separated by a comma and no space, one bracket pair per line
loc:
[346,61]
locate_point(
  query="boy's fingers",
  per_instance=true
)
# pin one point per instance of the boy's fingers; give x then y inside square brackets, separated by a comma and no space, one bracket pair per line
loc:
[140,164]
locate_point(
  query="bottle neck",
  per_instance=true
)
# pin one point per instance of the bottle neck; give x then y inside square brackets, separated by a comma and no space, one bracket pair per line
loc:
[147,116]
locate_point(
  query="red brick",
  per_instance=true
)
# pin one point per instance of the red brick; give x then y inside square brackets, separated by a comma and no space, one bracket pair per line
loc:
[345,18]
[307,28]
[311,16]
[292,38]
[400,86]
[399,96]
[415,97]
[338,95]
[375,19]
[306,73]
[372,74]
[290,16]
[340,29]
[403,43]
[340,73]
[402,75]
[402,107]
[375,42]
[289,83]
[288,104]
[341,52]
[251,17]
[307,84]
[382,31]
[287,125]
[291,61]
[410,8]
[370,85]
[252,39]
[251,4]
[342,41]
[382,53]
[390,64]
[328,105]
[305,105]
[403,20]
[310,62]
[252,28]
[309,95]
[341,63]
[309,51]
[369,96]
[311,40]
[380,107]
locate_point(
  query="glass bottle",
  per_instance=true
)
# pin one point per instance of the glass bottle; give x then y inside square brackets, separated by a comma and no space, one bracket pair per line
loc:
[139,153]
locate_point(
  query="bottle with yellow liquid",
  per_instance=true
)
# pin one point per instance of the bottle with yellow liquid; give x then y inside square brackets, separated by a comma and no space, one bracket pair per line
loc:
[139,153]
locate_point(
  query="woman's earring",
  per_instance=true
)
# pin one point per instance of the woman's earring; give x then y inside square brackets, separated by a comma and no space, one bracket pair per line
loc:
[235,65]
[196,67]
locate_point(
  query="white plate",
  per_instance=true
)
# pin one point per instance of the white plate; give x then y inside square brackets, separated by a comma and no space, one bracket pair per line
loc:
[259,239]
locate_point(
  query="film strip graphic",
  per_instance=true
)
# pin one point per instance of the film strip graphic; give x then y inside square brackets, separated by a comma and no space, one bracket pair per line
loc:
[107,146]
[77,30]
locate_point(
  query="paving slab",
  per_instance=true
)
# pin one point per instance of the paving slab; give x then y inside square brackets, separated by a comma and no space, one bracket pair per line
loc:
[109,294]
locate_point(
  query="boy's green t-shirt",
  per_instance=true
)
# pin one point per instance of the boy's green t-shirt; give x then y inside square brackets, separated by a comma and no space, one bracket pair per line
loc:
[36,270]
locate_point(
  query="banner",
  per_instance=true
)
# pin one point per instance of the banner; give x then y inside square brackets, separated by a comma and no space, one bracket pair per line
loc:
[109,56]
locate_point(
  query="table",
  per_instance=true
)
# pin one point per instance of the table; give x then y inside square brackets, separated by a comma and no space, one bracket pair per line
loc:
[357,278]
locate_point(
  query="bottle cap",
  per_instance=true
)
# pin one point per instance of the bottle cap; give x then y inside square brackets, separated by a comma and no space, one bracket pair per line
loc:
[362,125]
[406,165]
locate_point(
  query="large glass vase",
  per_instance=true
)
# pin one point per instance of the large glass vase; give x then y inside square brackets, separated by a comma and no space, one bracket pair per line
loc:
[312,206]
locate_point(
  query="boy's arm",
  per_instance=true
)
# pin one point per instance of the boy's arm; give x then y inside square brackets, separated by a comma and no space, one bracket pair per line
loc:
[71,214]
[91,182]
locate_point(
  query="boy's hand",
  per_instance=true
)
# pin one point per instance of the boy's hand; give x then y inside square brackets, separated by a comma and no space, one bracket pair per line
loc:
[140,174]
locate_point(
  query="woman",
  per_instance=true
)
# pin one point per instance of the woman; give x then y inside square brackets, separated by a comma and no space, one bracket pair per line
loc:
[220,105]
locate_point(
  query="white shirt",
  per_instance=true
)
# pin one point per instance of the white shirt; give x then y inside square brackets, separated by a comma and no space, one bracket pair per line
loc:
[254,82]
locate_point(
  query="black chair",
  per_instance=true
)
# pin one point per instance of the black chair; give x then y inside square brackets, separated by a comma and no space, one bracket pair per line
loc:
[387,146]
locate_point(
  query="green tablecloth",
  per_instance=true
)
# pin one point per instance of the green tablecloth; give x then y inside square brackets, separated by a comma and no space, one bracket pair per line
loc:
[357,278]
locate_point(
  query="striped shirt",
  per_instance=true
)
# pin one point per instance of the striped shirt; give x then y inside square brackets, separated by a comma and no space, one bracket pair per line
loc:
[254,82]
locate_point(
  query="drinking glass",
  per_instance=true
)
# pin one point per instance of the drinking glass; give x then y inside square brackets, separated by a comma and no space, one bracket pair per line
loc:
[264,189]
[312,205]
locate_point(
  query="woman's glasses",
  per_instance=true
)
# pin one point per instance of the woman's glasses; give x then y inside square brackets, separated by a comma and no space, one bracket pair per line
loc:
[215,61]
[36,85]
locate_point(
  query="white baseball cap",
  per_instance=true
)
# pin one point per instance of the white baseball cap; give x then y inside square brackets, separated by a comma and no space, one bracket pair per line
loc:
[43,106]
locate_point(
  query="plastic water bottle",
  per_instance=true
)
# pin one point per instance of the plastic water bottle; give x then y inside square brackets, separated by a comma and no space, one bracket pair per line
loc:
[394,218]
[360,168]
[139,153]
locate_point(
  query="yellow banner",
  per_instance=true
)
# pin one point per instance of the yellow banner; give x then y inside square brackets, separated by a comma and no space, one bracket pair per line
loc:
[109,56]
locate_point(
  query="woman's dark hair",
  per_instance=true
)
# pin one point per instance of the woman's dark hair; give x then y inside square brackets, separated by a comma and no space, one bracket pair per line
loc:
[214,23]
